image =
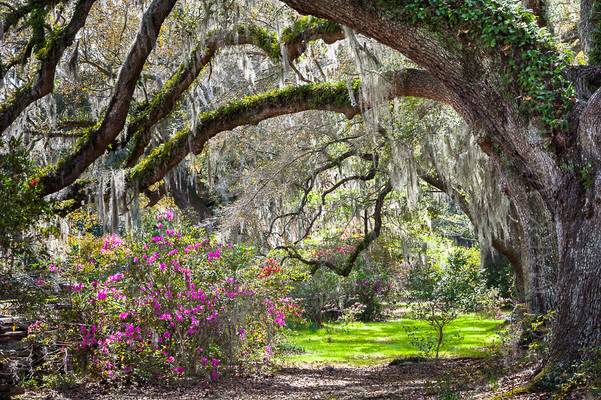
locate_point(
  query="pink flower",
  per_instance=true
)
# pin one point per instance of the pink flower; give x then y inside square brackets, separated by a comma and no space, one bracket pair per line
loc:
[131,330]
[168,215]
[78,287]
[111,242]
[162,266]
[101,295]
[170,359]
[115,278]
[214,255]
[53,268]
[165,317]
[123,315]
[178,370]
[33,327]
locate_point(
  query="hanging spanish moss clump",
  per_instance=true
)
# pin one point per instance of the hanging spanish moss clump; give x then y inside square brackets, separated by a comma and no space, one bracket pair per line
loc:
[457,158]
[374,92]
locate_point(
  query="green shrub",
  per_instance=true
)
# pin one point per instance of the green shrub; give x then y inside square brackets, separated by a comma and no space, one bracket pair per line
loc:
[441,291]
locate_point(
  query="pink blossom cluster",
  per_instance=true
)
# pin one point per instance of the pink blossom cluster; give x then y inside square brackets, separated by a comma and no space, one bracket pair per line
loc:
[111,242]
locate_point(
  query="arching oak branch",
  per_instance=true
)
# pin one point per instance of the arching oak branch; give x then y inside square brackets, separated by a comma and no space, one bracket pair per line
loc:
[252,110]
[294,42]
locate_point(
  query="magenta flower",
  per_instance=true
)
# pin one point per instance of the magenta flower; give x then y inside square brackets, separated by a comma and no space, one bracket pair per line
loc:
[214,255]
[111,242]
[76,288]
[115,277]
[168,215]
[123,315]
[101,295]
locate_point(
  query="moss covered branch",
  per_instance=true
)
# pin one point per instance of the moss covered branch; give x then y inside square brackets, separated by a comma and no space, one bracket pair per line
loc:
[97,139]
[293,43]
[254,109]
[457,41]
[12,18]
[49,54]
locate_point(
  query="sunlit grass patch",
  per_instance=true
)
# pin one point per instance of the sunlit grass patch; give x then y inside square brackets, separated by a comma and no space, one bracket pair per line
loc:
[382,342]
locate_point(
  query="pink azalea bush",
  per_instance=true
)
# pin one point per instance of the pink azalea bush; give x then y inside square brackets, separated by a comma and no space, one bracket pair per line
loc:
[174,304]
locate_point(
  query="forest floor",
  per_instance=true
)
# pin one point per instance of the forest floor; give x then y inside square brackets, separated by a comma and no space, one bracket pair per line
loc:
[444,379]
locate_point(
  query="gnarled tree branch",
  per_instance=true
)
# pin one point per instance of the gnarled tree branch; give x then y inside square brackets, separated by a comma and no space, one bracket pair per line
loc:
[294,42]
[94,144]
[49,57]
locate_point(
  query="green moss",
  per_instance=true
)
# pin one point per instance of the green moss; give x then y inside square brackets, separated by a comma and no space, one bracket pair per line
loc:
[37,22]
[587,175]
[532,65]
[308,25]
[263,39]
[10,100]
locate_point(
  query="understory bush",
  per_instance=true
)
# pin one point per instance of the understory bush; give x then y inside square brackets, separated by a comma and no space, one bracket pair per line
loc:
[327,296]
[440,291]
[168,304]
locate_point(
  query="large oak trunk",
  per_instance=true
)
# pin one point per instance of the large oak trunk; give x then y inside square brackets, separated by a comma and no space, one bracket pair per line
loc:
[577,327]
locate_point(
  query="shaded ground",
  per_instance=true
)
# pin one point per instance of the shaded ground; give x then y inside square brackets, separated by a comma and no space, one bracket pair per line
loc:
[446,379]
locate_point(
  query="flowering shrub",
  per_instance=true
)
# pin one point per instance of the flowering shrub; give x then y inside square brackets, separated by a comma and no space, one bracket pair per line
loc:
[173,304]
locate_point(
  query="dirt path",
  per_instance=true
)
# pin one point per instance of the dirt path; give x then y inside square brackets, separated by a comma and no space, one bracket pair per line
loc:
[445,379]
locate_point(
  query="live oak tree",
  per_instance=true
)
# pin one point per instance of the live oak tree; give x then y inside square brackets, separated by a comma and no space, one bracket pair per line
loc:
[509,81]
[534,114]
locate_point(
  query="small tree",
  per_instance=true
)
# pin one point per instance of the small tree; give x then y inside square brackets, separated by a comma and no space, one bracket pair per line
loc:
[442,292]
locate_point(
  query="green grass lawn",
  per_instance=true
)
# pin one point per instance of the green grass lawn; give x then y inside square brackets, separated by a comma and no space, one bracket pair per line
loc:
[381,342]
